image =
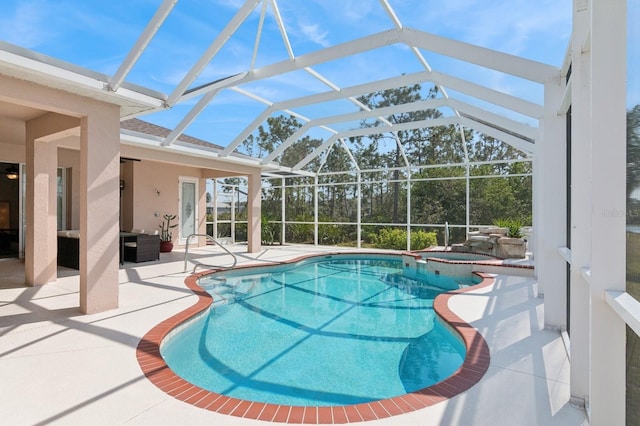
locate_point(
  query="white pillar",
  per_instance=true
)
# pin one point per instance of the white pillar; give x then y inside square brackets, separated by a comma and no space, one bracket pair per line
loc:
[359,211]
[283,212]
[408,209]
[215,208]
[253,218]
[550,213]
[232,226]
[580,205]
[607,126]
[99,212]
[315,209]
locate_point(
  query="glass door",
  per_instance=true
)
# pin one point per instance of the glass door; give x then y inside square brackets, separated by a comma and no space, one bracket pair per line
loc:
[188,207]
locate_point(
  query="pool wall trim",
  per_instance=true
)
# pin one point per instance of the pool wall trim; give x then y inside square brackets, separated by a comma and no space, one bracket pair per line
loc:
[482,262]
[154,367]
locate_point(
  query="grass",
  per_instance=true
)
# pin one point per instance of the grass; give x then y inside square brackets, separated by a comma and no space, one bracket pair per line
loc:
[633,264]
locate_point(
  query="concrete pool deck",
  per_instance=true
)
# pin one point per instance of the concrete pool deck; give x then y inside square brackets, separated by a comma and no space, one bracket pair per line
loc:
[60,367]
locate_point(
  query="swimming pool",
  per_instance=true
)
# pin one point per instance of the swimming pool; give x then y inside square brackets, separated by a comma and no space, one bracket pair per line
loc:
[156,370]
[334,331]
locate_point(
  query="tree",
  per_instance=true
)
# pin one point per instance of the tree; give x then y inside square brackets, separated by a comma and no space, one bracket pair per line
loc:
[633,150]
[383,162]
[402,139]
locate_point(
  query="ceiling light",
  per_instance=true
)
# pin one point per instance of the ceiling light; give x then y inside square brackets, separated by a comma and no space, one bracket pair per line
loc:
[11,173]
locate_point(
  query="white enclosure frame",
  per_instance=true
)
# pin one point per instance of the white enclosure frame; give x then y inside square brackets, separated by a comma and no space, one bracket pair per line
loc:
[595,91]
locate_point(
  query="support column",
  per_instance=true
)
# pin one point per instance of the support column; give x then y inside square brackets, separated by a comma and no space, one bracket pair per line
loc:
[283,212]
[359,211]
[41,210]
[316,209]
[215,208]
[254,199]
[99,213]
[580,205]
[408,211]
[607,126]
[551,207]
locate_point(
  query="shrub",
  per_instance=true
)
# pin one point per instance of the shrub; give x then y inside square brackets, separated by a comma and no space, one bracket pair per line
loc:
[513,226]
[332,234]
[299,233]
[422,239]
[269,230]
[396,239]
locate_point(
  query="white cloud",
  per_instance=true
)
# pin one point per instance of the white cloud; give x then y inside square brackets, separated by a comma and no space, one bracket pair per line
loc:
[314,33]
[26,25]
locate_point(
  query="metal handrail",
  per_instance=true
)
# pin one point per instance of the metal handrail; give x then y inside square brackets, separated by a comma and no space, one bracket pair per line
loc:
[446,235]
[210,238]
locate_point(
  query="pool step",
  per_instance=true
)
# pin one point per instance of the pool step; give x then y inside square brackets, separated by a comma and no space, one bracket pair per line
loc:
[225,291]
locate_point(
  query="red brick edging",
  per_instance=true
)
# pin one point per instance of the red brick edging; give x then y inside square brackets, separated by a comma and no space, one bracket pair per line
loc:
[158,372]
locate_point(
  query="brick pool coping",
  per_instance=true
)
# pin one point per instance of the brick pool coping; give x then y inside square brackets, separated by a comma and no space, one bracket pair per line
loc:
[158,372]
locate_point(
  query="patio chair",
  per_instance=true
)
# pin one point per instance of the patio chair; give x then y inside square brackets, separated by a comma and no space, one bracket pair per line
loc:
[142,247]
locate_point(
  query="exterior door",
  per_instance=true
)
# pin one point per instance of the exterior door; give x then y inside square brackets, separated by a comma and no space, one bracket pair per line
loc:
[188,220]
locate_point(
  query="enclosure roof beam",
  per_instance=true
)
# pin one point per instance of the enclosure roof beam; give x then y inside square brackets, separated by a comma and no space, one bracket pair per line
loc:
[141,44]
[189,118]
[482,56]
[317,98]
[213,49]
[319,150]
[256,45]
[349,154]
[455,105]
[378,130]
[373,131]
[499,120]
[488,58]
[482,93]
[289,141]
[516,142]
[247,131]
[495,97]
[283,31]
[359,115]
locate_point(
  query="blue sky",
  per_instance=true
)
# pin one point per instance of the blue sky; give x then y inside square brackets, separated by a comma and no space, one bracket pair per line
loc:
[99,34]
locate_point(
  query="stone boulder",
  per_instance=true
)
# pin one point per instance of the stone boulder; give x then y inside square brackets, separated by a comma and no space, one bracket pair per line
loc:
[493,241]
[511,248]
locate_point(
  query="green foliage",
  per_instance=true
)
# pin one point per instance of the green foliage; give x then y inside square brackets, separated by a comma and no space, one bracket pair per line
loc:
[278,128]
[267,230]
[165,226]
[422,239]
[332,234]
[633,268]
[633,150]
[513,226]
[500,185]
[396,239]
[300,232]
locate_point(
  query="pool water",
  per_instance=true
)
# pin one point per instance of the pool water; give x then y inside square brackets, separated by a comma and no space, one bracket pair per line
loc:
[325,332]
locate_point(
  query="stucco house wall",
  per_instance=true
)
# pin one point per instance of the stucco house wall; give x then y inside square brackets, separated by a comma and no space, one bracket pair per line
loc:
[152,190]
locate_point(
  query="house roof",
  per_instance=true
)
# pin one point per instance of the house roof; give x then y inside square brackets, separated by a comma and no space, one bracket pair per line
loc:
[144,127]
